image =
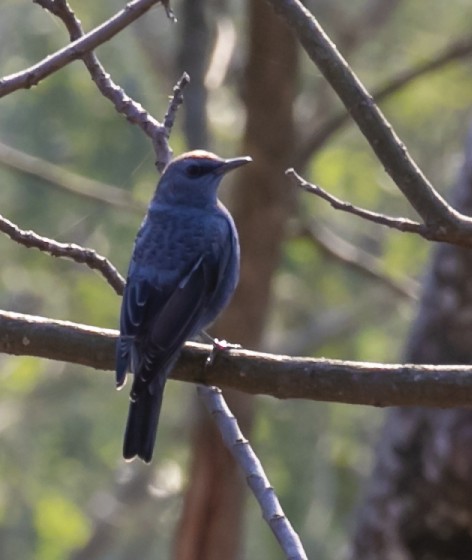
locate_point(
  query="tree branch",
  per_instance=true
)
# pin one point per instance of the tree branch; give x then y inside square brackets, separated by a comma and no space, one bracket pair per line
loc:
[68,181]
[80,255]
[282,377]
[133,111]
[447,224]
[400,224]
[370,20]
[256,478]
[356,258]
[34,74]
[321,134]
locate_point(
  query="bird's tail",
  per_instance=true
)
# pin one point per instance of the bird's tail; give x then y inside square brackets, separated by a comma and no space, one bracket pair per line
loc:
[141,428]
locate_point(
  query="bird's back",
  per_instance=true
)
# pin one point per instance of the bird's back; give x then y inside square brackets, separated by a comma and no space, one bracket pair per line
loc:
[172,240]
[171,245]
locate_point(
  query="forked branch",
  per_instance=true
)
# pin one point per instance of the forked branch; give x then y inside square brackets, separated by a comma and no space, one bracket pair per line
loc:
[441,221]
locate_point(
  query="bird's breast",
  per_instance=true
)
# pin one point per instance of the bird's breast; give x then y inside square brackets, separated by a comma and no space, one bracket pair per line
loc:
[171,239]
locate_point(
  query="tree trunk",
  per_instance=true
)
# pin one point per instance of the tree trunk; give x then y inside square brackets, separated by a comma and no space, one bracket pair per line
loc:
[211,522]
[418,503]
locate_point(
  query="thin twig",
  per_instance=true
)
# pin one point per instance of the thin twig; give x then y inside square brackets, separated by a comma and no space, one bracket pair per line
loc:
[356,258]
[125,105]
[400,224]
[256,478]
[71,251]
[175,101]
[34,74]
[68,181]
[321,134]
[445,223]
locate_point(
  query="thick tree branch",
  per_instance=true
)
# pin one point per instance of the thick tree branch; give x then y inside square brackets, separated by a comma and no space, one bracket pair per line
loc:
[321,134]
[256,478]
[282,377]
[448,224]
[79,254]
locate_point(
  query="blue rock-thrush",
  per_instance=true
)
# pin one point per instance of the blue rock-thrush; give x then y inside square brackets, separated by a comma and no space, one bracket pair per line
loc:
[183,271]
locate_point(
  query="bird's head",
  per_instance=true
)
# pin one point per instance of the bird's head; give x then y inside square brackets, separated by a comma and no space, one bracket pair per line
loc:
[192,179]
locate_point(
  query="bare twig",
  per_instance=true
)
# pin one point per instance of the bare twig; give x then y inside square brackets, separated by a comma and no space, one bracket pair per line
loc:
[34,74]
[68,181]
[432,232]
[133,111]
[174,102]
[123,104]
[71,251]
[283,377]
[444,223]
[369,21]
[321,134]
[256,478]
[401,224]
[356,258]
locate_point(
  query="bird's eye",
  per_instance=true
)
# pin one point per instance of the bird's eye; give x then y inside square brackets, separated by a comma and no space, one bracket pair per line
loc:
[195,170]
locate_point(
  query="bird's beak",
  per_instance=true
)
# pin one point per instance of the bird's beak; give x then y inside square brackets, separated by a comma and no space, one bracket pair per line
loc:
[233,163]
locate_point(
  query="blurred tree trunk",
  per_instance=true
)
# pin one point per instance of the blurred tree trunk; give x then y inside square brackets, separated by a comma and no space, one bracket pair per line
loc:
[418,503]
[211,522]
[193,59]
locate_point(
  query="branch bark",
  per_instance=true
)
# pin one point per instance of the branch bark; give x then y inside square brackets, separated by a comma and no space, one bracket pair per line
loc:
[279,376]
[134,113]
[400,224]
[159,133]
[256,478]
[34,74]
[417,502]
[81,255]
[454,52]
[449,224]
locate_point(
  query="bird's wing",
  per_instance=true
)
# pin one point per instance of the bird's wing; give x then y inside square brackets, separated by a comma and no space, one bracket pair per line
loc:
[226,254]
[133,313]
[156,321]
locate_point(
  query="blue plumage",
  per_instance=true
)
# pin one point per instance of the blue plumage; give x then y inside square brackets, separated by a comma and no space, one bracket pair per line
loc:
[183,271]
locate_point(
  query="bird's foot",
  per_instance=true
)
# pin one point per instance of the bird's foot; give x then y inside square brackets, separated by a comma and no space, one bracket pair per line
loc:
[218,347]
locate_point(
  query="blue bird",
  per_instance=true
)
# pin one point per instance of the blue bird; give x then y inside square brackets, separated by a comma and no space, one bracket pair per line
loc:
[183,271]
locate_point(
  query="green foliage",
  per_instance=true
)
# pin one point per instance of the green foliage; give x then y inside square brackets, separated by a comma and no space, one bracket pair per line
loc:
[61,527]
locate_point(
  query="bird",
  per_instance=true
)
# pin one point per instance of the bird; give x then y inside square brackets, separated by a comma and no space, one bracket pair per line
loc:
[183,271]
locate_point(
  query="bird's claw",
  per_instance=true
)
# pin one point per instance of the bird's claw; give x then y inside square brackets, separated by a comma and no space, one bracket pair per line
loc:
[219,346]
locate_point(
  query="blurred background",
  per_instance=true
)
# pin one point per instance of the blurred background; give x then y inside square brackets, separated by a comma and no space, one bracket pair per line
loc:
[314,281]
